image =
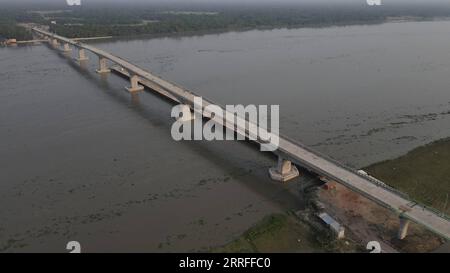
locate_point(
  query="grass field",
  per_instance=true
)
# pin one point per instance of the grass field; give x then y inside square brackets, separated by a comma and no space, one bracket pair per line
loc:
[285,233]
[424,174]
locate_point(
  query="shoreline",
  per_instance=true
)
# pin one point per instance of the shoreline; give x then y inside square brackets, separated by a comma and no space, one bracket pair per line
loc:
[361,218]
[268,28]
[421,164]
[199,33]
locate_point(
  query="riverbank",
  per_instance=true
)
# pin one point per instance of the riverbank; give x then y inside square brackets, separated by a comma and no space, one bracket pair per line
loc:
[286,233]
[422,173]
[151,19]
[202,32]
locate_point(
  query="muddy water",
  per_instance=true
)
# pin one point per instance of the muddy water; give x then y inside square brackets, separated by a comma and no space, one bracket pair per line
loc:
[83,160]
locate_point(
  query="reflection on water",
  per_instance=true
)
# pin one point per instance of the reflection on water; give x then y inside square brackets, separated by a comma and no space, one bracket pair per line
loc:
[84,160]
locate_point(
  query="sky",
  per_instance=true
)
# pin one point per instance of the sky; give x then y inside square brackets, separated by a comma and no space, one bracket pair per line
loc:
[242,2]
[227,1]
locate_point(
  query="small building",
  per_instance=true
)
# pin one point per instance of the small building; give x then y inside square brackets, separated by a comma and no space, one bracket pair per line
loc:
[53,22]
[337,228]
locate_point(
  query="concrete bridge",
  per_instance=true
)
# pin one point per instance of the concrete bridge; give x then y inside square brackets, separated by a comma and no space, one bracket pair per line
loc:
[290,152]
[75,39]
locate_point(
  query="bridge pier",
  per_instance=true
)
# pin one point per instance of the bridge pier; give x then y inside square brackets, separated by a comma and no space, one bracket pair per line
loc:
[66,48]
[82,55]
[135,86]
[403,229]
[55,43]
[103,65]
[284,170]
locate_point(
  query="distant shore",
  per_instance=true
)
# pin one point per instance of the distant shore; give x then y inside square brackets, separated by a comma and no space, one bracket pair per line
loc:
[268,28]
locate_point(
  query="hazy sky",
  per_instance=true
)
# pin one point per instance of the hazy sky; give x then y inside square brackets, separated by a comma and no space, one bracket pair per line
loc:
[227,1]
[244,2]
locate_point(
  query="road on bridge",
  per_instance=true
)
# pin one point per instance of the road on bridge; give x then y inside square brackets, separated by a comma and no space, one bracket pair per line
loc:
[291,150]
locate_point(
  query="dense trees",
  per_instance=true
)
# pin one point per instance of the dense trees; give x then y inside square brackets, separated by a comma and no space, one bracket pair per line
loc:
[123,22]
[8,25]
[91,20]
[9,31]
[120,22]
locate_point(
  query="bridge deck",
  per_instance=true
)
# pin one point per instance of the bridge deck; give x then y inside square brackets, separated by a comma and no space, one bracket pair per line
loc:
[292,150]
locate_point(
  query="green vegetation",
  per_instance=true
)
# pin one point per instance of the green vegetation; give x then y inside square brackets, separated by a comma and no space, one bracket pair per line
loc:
[8,25]
[125,22]
[159,19]
[10,31]
[285,233]
[423,173]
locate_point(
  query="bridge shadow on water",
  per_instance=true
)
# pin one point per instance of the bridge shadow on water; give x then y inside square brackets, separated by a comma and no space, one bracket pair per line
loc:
[250,172]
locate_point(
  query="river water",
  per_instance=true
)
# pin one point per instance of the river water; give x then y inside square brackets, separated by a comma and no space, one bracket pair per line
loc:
[83,160]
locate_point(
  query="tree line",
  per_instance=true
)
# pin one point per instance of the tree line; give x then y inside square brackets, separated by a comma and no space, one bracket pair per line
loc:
[87,21]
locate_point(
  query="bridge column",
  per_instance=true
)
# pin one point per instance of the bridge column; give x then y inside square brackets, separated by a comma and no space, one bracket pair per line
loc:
[82,55]
[135,86]
[55,43]
[284,170]
[403,230]
[103,65]
[66,48]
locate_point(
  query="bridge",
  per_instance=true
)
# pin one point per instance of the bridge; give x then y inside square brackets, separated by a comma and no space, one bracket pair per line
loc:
[75,39]
[290,153]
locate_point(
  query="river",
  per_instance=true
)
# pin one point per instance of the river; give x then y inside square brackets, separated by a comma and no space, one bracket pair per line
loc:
[83,160]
